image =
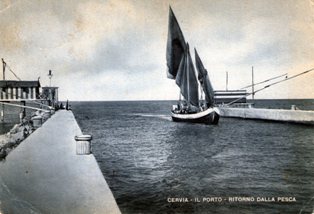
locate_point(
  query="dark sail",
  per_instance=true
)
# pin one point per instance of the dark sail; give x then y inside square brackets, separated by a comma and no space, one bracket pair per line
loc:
[186,79]
[204,80]
[175,46]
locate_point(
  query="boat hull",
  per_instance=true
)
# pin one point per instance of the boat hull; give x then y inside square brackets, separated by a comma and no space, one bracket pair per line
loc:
[210,117]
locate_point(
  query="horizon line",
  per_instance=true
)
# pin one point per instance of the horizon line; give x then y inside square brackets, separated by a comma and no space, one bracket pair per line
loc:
[133,100]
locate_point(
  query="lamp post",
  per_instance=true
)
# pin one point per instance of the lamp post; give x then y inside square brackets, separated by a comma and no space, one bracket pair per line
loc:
[50,76]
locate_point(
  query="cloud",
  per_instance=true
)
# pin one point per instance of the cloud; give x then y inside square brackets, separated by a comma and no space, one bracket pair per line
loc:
[115,49]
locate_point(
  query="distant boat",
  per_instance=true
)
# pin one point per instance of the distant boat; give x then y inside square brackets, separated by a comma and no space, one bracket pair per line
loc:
[180,68]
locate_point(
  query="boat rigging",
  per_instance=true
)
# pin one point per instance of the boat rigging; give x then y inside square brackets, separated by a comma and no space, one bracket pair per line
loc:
[269,85]
[181,69]
[282,75]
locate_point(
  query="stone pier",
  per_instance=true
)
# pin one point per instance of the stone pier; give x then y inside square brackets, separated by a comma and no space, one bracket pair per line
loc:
[45,175]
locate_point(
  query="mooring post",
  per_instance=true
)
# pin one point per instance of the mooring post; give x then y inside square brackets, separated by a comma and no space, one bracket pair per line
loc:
[83,144]
[37,121]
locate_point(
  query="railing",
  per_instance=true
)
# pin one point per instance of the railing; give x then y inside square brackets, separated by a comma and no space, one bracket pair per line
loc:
[26,107]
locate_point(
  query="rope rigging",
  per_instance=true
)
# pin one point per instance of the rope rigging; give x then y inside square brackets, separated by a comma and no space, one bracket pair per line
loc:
[248,86]
[274,83]
[4,67]
[14,73]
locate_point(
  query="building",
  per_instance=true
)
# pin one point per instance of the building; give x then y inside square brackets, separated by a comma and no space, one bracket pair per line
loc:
[50,95]
[235,96]
[11,90]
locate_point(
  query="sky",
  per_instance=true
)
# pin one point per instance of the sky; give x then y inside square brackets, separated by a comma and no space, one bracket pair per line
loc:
[116,49]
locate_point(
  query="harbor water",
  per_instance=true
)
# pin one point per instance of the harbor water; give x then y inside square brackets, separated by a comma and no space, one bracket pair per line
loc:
[153,165]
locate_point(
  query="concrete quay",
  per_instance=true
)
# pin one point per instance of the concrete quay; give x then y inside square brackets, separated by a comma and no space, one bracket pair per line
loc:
[45,175]
[280,115]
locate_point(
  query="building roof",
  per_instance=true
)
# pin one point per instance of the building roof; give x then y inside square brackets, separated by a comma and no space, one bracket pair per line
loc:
[50,87]
[14,83]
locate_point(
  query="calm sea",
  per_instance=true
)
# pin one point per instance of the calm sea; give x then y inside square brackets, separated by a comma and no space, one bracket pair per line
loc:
[148,160]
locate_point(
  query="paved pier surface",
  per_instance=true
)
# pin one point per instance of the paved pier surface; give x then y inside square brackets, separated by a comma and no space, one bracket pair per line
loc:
[294,116]
[44,174]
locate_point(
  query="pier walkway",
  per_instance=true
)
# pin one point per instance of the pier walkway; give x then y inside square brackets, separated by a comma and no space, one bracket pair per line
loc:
[44,174]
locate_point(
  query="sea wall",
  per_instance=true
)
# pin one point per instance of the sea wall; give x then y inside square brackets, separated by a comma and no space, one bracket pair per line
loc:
[14,137]
[295,116]
[19,132]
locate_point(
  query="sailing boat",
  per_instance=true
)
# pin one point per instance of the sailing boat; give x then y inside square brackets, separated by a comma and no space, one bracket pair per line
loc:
[181,69]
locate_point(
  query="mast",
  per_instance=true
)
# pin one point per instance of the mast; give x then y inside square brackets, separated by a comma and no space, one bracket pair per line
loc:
[187,81]
[253,83]
[3,68]
[226,80]
[188,75]
[204,80]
